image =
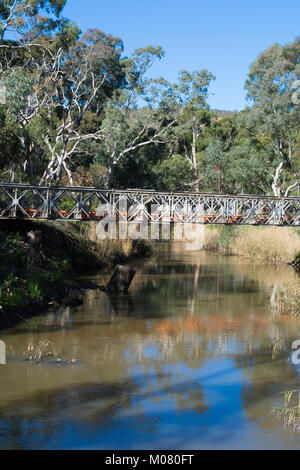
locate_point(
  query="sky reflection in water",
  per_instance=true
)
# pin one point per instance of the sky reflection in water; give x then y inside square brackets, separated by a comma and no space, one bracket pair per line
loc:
[184,361]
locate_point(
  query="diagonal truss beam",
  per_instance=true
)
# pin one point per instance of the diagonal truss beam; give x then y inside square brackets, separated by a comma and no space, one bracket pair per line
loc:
[87,204]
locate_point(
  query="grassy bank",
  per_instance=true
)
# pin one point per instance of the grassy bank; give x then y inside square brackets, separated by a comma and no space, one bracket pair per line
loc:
[276,245]
[30,284]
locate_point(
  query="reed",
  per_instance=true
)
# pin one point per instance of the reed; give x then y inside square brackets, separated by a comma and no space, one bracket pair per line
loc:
[287,302]
[276,245]
[289,412]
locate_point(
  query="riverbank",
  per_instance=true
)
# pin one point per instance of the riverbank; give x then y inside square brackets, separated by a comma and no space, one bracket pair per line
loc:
[275,245]
[40,263]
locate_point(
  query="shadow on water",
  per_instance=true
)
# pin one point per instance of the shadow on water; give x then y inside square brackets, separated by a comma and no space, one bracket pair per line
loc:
[102,403]
[184,360]
[95,409]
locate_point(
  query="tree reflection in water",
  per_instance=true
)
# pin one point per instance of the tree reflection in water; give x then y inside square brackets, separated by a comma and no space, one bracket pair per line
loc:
[187,354]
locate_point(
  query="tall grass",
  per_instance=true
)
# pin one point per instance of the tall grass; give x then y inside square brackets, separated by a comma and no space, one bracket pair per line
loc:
[289,412]
[287,302]
[109,251]
[212,237]
[276,245]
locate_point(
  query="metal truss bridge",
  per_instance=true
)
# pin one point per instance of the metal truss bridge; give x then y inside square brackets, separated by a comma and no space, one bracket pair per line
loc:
[20,201]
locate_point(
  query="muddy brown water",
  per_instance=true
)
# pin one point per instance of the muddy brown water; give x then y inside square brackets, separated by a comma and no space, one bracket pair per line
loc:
[187,360]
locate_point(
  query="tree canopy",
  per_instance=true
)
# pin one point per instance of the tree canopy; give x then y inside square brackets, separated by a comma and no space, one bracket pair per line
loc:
[74,109]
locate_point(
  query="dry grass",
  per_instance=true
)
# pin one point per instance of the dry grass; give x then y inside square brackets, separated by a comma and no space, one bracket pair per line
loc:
[275,245]
[45,350]
[277,347]
[287,302]
[290,411]
[212,236]
[111,250]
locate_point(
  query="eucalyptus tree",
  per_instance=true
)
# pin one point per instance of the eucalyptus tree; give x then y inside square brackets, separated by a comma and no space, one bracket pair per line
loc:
[275,113]
[192,92]
[32,35]
[217,166]
[248,169]
[139,114]
[22,21]
[225,128]
[28,25]
[61,83]
[147,111]
[173,174]
[86,77]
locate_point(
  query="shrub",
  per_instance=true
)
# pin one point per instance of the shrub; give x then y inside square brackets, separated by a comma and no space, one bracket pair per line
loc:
[34,289]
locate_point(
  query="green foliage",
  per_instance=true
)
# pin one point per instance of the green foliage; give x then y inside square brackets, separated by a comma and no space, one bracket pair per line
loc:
[249,169]
[19,84]
[123,128]
[11,294]
[274,112]
[33,286]
[99,174]
[216,167]
[11,150]
[173,174]
[11,250]
[66,264]
[27,18]
[12,298]
[192,88]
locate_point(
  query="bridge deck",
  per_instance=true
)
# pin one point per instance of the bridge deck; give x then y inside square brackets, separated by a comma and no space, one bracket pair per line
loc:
[91,204]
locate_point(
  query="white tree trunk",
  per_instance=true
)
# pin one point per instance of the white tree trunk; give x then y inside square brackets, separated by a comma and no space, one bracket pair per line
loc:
[275,185]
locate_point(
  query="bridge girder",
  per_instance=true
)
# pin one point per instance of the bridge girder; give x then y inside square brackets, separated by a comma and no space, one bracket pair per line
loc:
[89,204]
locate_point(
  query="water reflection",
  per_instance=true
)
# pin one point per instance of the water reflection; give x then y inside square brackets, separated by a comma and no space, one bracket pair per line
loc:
[182,361]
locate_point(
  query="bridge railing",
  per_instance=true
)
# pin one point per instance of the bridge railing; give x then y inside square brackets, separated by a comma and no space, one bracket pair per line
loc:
[88,204]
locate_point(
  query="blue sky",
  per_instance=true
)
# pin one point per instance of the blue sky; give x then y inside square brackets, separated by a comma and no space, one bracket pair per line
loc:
[223,36]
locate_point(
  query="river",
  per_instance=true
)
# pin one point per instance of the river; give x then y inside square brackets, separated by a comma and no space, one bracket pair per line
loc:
[188,359]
